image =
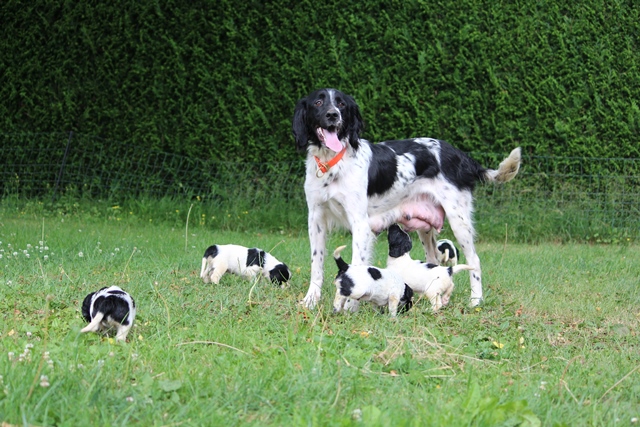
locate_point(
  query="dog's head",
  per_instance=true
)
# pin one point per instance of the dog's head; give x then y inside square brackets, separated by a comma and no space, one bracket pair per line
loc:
[86,307]
[399,241]
[280,274]
[326,117]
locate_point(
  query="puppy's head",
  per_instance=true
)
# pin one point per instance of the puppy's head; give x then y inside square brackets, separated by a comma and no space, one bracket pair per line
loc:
[326,117]
[406,302]
[399,241]
[86,307]
[280,274]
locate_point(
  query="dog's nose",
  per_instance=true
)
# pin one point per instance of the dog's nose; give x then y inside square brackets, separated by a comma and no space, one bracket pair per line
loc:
[332,115]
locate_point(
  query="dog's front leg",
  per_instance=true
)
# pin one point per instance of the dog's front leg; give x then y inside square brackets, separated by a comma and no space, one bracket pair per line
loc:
[318,241]
[362,246]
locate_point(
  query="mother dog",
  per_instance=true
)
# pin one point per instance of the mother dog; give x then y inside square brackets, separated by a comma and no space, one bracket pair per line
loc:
[367,187]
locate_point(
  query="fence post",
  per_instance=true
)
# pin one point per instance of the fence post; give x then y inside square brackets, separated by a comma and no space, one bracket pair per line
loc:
[64,161]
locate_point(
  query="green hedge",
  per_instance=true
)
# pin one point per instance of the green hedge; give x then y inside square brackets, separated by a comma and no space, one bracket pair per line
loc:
[219,79]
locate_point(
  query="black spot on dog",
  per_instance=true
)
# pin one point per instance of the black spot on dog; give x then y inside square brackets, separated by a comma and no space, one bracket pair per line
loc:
[374,273]
[346,286]
[255,256]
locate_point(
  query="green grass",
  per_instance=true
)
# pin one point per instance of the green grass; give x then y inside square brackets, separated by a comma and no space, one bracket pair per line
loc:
[556,342]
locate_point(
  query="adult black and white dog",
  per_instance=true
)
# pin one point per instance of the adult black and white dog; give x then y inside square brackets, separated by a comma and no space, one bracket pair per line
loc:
[246,262]
[382,287]
[367,187]
[109,308]
[431,280]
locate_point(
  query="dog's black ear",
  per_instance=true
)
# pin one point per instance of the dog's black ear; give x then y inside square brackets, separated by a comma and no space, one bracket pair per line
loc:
[399,241]
[299,125]
[86,305]
[354,122]
[407,299]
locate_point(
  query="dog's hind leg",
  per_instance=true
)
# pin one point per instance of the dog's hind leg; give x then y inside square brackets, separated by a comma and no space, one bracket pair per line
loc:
[428,240]
[123,330]
[95,325]
[458,210]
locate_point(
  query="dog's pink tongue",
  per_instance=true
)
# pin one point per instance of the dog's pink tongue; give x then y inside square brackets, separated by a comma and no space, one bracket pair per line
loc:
[331,140]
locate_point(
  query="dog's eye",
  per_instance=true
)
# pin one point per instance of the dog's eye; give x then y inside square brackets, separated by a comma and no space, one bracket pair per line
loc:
[318,103]
[341,104]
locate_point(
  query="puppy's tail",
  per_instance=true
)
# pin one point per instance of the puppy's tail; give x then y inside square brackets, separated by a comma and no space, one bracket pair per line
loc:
[342,265]
[507,170]
[458,268]
[94,326]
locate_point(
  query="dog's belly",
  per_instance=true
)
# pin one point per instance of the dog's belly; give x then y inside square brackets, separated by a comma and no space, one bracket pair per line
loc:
[420,213]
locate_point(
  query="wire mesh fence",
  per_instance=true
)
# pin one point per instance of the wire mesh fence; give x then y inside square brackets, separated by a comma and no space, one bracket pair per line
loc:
[570,197]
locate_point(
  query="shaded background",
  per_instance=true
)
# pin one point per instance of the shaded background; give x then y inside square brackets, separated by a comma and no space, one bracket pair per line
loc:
[219,79]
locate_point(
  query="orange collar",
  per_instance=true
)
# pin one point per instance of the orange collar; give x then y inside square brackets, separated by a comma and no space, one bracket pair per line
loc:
[323,167]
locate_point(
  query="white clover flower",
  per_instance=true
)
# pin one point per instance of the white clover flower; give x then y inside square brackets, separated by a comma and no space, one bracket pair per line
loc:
[44,381]
[46,257]
[41,243]
[80,254]
[129,398]
[11,356]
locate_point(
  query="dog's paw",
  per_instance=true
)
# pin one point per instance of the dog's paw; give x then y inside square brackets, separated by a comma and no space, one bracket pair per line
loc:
[475,302]
[311,299]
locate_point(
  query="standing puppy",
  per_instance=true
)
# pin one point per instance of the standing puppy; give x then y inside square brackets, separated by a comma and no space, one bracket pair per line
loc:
[218,259]
[382,287]
[109,308]
[447,252]
[431,280]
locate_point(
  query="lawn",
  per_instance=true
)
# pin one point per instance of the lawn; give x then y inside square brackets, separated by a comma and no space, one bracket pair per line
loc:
[555,342]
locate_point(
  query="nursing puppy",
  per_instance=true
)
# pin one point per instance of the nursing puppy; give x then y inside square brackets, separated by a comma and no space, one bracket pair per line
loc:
[382,287]
[109,308]
[447,252]
[431,280]
[236,259]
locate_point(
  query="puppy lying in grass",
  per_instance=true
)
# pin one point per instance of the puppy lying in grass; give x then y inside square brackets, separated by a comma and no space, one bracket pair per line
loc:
[245,262]
[109,308]
[447,254]
[382,287]
[433,281]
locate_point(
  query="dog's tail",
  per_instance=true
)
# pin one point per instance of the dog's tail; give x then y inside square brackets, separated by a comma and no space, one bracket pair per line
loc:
[458,268]
[95,323]
[342,265]
[507,170]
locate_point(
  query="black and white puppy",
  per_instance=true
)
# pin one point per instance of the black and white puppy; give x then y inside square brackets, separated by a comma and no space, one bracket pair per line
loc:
[109,308]
[382,287]
[433,281]
[245,262]
[447,252]
[366,187]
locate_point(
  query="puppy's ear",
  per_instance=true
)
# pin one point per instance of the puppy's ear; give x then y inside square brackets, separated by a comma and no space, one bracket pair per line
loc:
[355,124]
[399,241]
[299,126]
[86,306]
